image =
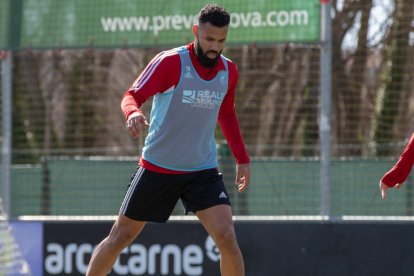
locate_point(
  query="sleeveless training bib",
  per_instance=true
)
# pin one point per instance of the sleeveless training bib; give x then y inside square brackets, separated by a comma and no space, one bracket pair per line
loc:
[183,121]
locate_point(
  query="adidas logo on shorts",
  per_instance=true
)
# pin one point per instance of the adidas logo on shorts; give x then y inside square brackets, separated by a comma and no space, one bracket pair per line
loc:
[223,195]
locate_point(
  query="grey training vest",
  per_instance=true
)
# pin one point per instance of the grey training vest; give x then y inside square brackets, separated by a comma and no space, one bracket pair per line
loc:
[183,121]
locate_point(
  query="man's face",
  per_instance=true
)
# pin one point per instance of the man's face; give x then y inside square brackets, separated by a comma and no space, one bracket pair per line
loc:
[209,43]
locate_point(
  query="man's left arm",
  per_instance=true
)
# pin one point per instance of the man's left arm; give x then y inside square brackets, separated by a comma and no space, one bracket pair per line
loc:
[229,124]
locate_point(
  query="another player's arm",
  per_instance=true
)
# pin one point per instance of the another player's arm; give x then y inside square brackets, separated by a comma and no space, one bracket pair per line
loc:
[398,174]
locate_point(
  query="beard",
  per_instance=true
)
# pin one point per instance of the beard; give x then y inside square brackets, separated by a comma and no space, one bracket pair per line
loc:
[204,59]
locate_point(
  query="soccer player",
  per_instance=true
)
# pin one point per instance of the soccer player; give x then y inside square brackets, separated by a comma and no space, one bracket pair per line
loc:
[193,87]
[400,171]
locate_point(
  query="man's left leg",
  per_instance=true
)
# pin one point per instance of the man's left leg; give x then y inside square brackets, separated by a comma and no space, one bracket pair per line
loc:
[218,222]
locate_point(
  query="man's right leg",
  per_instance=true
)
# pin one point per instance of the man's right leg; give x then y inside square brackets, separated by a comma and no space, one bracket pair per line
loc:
[123,232]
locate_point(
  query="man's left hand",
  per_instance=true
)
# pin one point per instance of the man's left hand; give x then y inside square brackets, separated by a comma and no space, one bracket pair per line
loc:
[242,177]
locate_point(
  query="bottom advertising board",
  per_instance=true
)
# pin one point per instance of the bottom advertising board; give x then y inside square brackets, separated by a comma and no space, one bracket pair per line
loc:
[269,248]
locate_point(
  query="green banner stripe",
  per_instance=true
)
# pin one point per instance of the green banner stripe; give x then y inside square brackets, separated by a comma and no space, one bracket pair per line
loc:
[4,12]
[117,23]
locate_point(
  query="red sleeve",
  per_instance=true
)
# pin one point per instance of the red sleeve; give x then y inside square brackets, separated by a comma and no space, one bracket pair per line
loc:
[228,121]
[162,73]
[399,173]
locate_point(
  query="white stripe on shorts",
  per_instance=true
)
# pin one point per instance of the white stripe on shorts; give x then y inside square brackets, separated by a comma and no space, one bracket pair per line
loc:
[131,189]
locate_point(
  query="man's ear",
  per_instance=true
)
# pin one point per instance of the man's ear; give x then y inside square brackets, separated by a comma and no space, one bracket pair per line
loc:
[195,30]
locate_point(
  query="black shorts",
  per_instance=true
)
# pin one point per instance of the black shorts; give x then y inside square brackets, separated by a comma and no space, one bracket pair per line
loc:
[152,196]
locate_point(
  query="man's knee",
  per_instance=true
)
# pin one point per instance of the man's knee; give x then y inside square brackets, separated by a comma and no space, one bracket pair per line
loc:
[226,238]
[121,237]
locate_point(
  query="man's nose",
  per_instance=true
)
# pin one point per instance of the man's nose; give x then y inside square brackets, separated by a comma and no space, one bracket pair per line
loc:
[214,46]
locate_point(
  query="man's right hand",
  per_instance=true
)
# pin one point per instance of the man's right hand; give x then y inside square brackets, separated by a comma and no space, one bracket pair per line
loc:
[134,123]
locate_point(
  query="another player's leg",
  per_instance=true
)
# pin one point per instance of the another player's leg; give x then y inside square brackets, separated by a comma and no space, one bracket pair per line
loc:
[123,232]
[218,222]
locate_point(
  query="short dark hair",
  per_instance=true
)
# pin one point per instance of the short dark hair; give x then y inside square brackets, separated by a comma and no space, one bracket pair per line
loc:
[215,15]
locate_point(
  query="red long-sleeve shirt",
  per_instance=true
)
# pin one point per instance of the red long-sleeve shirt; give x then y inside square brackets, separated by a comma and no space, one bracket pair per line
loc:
[163,73]
[399,173]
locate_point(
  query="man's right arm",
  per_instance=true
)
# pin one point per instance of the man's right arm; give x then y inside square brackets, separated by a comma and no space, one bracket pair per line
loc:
[159,75]
[162,73]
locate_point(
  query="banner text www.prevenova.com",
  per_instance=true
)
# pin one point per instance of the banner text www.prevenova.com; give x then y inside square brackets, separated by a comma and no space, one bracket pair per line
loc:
[158,23]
